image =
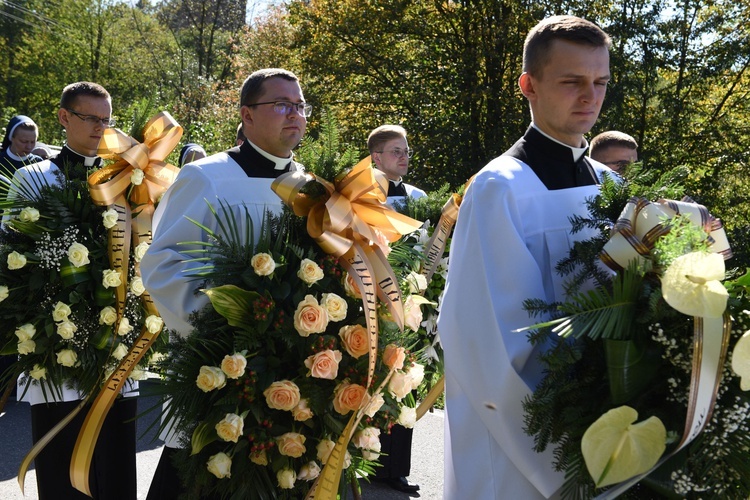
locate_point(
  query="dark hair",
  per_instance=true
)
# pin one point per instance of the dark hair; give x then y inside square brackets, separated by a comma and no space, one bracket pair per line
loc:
[75,90]
[383,134]
[253,84]
[612,138]
[536,48]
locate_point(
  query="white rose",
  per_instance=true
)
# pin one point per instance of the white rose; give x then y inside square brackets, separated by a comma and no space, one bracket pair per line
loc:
[26,347]
[370,455]
[367,439]
[109,218]
[25,332]
[67,357]
[29,214]
[347,459]
[125,327]
[407,417]
[78,254]
[16,261]
[399,385]
[220,465]
[111,278]
[61,311]
[324,449]
[230,428]
[309,271]
[136,286]
[286,478]
[38,372]
[4,292]
[66,329]
[120,352]
[416,372]
[412,314]
[138,373]
[140,250]
[154,323]
[335,305]
[107,316]
[263,264]
[309,471]
[136,178]
[374,404]
[417,282]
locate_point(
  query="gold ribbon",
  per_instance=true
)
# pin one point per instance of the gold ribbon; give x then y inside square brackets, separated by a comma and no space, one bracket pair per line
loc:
[439,239]
[350,221]
[640,224]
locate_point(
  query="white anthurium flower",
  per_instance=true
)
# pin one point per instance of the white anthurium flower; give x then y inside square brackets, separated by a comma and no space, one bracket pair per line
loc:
[691,285]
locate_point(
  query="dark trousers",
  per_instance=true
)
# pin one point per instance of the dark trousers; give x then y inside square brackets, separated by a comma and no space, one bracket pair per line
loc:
[113,472]
[166,483]
[395,449]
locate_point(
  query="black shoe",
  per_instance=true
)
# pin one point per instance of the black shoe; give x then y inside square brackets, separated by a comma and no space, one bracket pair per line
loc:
[400,484]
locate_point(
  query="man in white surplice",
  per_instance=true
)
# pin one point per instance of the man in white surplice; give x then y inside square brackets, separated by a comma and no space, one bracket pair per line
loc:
[513,228]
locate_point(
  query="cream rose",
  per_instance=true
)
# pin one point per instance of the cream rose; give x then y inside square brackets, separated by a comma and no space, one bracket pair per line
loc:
[136,178]
[67,357]
[263,264]
[417,282]
[25,332]
[393,357]
[416,372]
[109,218]
[350,287]
[111,278]
[231,427]
[302,412]
[140,250]
[61,311]
[138,373]
[309,471]
[367,439]
[286,478]
[220,465]
[16,261]
[407,417]
[324,364]
[107,316]
[4,292]
[259,457]
[399,385]
[66,329]
[309,271]
[124,327]
[336,307]
[310,317]
[29,214]
[210,378]
[234,366]
[120,352]
[348,397]
[355,339]
[154,323]
[374,404]
[78,254]
[26,347]
[136,286]
[412,314]
[282,395]
[38,372]
[291,444]
[324,449]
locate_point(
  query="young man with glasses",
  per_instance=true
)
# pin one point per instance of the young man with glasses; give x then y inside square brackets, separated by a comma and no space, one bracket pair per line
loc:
[615,149]
[274,118]
[85,112]
[390,153]
[512,230]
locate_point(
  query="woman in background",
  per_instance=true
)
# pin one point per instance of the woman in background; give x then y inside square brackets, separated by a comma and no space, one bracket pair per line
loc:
[20,139]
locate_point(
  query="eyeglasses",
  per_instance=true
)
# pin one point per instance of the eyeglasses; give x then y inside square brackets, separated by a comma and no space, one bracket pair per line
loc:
[399,153]
[286,107]
[616,165]
[93,119]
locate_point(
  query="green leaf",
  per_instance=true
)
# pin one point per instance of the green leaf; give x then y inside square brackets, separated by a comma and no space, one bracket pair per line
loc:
[203,434]
[233,303]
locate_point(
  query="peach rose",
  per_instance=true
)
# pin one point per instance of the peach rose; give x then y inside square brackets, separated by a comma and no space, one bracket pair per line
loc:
[309,471]
[351,288]
[230,428]
[310,317]
[234,366]
[309,271]
[283,395]
[291,444]
[348,397]
[263,264]
[367,439]
[324,364]
[335,306]
[393,357]
[210,378]
[374,404]
[399,385]
[356,340]
[416,372]
[302,412]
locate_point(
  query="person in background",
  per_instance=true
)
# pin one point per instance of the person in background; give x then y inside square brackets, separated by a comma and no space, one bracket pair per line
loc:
[274,119]
[614,149]
[390,153]
[189,153]
[512,230]
[42,150]
[18,144]
[240,136]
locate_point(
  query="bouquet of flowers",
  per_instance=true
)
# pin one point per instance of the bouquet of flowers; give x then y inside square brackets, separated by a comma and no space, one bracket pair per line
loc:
[646,344]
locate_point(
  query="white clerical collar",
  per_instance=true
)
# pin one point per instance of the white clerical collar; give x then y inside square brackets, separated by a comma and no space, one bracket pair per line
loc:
[279,163]
[88,161]
[397,182]
[14,156]
[577,152]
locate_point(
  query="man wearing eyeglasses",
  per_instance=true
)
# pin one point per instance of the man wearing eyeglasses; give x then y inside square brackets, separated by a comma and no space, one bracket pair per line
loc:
[85,112]
[615,149]
[274,118]
[390,153]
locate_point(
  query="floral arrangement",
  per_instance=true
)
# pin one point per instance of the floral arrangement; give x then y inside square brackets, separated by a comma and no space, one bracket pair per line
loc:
[629,350]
